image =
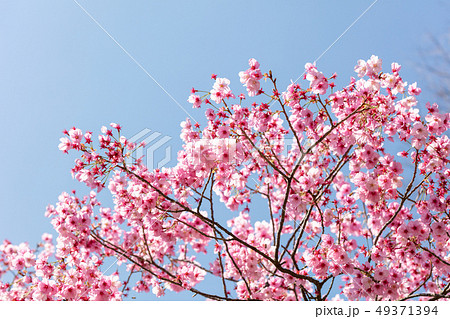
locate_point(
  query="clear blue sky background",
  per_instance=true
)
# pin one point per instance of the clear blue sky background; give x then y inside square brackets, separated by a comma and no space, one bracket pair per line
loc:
[58,69]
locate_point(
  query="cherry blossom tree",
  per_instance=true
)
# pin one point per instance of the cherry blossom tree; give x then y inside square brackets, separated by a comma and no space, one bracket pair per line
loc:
[308,194]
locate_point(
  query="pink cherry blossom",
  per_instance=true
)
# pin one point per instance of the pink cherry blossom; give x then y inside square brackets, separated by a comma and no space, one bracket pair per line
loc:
[195,100]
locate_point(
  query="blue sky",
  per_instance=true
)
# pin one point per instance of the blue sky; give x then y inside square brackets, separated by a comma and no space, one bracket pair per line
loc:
[58,69]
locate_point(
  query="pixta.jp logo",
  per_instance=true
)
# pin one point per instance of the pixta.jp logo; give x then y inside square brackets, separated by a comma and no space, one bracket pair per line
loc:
[155,153]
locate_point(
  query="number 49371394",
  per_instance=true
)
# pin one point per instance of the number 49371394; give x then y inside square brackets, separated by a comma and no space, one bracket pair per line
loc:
[406,310]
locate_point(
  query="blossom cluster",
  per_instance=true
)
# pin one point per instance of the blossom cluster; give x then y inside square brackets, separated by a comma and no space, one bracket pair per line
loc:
[251,77]
[69,270]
